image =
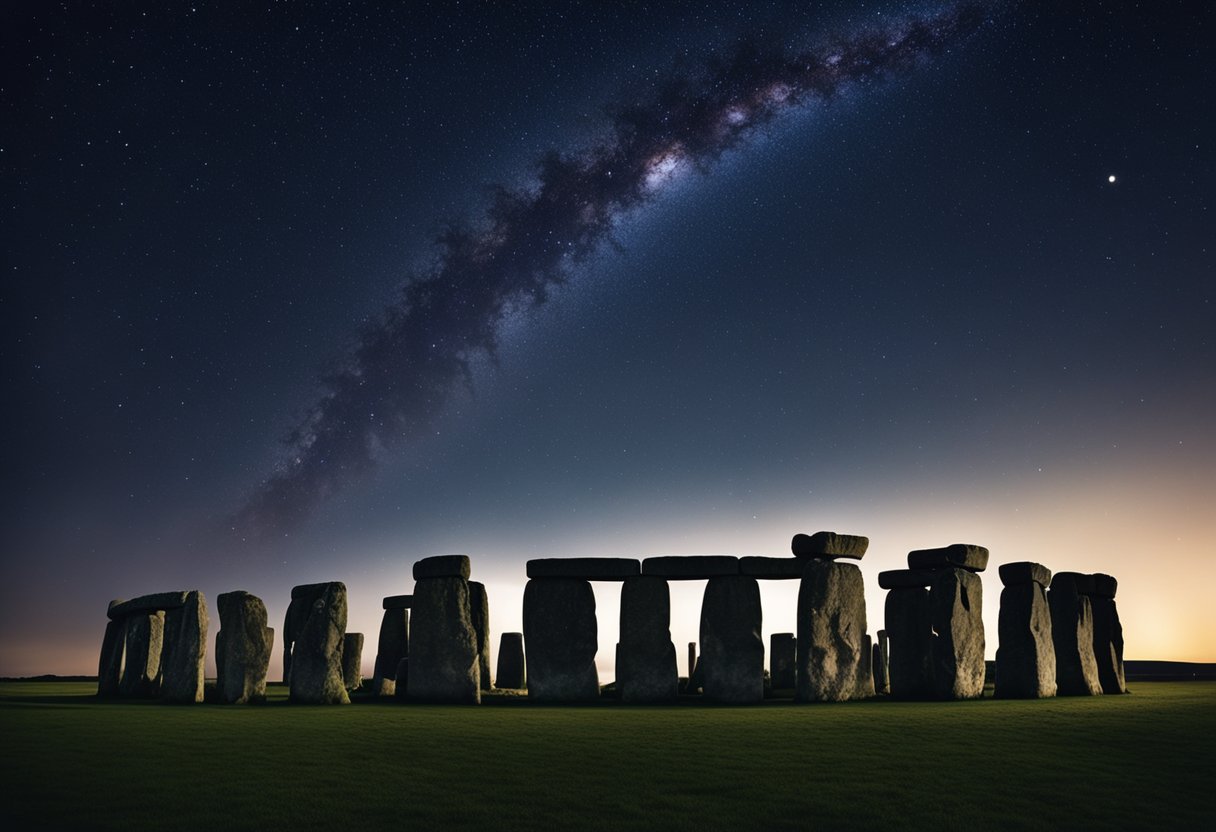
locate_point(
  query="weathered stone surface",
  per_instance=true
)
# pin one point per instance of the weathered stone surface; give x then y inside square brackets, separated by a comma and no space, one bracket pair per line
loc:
[772,569]
[585,569]
[909,628]
[242,648]
[302,598]
[691,567]
[831,633]
[956,600]
[512,668]
[1024,572]
[906,578]
[782,659]
[146,604]
[1072,635]
[647,669]
[392,646]
[401,683]
[957,555]
[316,657]
[882,664]
[865,671]
[479,614]
[1025,655]
[561,634]
[829,545]
[352,661]
[1108,644]
[444,665]
[1105,586]
[109,664]
[732,649]
[397,602]
[141,667]
[1078,582]
[185,650]
[442,566]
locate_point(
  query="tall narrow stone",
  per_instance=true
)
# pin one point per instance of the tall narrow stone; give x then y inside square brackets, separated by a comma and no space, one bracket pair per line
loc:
[647,670]
[242,648]
[352,661]
[882,677]
[692,658]
[1072,634]
[865,670]
[909,627]
[831,633]
[732,649]
[479,612]
[401,680]
[561,633]
[1108,645]
[185,650]
[316,657]
[392,646]
[956,603]
[144,639]
[302,598]
[1025,655]
[444,661]
[512,669]
[782,659]
[109,665]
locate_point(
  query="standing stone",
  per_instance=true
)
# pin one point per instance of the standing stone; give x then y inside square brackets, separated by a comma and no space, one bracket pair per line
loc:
[692,658]
[1108,644]
[647,670]
[512,671]
[352,661]
[144,640]
[732,649]
[956,601]
[316,658]
[402,679]
[782,659]
[865,671]
[444,664]
[185,650]
[479,611]
[882,673]
[392,647]
[831,633]
[561,632]
[909,628]
[242,648]
[109,665]
[302,598]
[1072,634]
[1025,655]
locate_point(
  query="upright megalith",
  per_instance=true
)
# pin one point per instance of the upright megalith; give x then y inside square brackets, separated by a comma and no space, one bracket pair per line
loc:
[352,661]
[956,605]
[479,613]
[144,640]
[109,665]
[392,646]
[561,633]
[1072,635]
[512,670]
[833,658]
[296,617]
[444,663]
[782,659]
[909,628]
[1108,635]
[242,648]
[647,670]
[185,650]
[1025,655]
[315,657]
[731,667]
[882,664]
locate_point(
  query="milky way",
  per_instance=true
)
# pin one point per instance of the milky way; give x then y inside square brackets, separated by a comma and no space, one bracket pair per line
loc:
[397,380]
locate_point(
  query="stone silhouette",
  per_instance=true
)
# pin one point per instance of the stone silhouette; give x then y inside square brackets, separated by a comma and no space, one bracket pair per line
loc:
[352,661]
[833,656]
[444,664]
[909,628]
[145,634]
[512,669]
[184,650]
[732,650]
[1026,655]
[561,632]
[316,619]
[479,613]
[829,545]
[1108,635]
[647,670]
[155,646]
[1072,633]
[110,664]
[393,644]
[243,647]
[882,673]
[584,569]
[690,567]
[956,603]
[782,659]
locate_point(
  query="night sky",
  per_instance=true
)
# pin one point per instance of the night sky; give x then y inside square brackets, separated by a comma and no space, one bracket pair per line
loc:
[312,291]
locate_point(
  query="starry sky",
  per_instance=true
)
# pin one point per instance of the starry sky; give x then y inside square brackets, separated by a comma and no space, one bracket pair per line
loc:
[311,291]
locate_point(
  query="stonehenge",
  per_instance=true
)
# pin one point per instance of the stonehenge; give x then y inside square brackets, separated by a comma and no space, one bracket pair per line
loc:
[1072,634]
[243,647]
[154,647]
[512,669]
[732,650]
[881,662]
[1026,657]
[393,644]
[444,661]
[1108,635]
[561,633]
[782,659]
[479,613]
[313,641]
[833,651]
[352,661]
[646,671]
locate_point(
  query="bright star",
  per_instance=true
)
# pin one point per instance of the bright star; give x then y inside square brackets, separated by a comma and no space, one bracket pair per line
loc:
[1111,179]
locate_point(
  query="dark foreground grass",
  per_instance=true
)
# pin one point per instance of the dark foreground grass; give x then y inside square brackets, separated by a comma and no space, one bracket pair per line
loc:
[1140,761]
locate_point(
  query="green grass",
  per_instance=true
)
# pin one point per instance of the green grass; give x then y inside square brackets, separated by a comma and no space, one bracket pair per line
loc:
[1140,761]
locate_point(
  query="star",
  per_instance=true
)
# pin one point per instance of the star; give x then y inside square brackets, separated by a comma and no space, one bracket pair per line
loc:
[1111,179]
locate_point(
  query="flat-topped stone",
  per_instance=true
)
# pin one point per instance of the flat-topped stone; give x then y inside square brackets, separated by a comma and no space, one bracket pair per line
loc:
[691,567]
[1024,572]
[148,603]
[1105,586]
[397,602]
[309,591]
[585,569]
[772,569]
[1078,582]
[961,555]
[906,578]
[442,566]
[829,545]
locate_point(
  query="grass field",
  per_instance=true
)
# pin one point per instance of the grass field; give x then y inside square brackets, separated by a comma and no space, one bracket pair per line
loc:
[1147,760]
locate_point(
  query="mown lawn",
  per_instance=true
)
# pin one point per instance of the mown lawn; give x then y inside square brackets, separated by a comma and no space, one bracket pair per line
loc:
[1147,760]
